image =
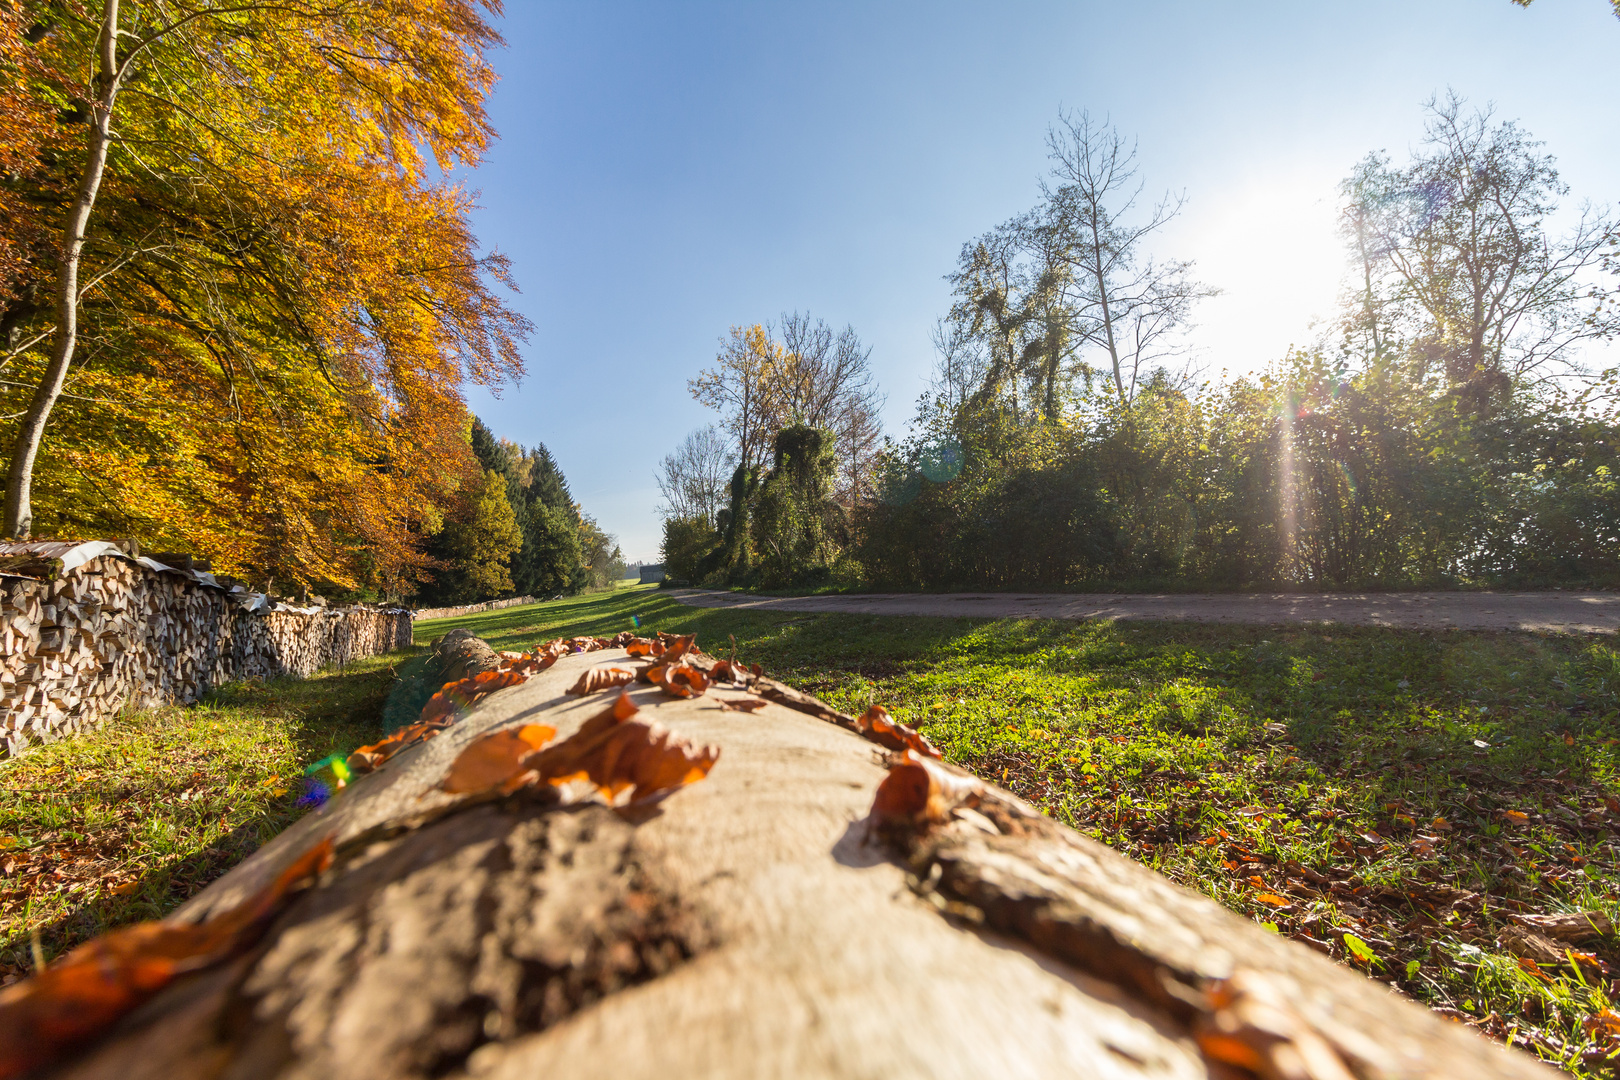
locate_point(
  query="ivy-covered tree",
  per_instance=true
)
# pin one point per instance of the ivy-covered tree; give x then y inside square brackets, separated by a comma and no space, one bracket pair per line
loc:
[793,526]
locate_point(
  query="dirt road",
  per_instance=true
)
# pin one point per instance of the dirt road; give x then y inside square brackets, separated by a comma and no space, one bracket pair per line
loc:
[1555,612]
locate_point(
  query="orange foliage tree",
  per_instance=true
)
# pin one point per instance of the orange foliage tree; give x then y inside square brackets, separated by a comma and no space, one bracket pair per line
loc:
[256,342]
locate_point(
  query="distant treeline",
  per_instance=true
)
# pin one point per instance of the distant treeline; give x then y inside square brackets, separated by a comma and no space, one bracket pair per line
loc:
[520,533]
[1303,477]
[1442,432]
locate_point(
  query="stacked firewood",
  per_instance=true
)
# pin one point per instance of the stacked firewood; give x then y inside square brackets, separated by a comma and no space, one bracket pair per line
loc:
[468,609]
[78,644]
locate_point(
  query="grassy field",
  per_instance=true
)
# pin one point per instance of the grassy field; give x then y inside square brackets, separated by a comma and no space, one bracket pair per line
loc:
[128,822]
[1389,797]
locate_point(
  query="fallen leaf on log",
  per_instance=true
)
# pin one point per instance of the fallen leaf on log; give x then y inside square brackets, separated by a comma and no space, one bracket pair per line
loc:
[467,692]
[101,980]
[644,647]
[602,678]
[368,758]
[438,714]
[920,789]
[496,760]
[680,680]
[748,705]
[676,647]
[531,663]
[616,753]
[876,724]
[1252,1026]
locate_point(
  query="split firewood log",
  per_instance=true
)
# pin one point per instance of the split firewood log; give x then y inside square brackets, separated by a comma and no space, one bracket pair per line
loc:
[796,901]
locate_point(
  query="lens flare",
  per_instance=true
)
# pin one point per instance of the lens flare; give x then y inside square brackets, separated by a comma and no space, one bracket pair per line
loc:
[337,765]
[315,794]
[941,462]
[1285,480]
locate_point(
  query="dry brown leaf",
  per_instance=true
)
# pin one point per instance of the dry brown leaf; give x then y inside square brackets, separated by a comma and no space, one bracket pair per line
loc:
[747,705]
[463,694]
[616,753]
[495,761]
[1576,926]
[1253,1026]
[733,672]
[681,680]
[647,647]
[1606,1021]
[80,994]
[876,724]
[531,663]
[367,758]
[1528,944]
[920,789]
[602,678]
[676,647]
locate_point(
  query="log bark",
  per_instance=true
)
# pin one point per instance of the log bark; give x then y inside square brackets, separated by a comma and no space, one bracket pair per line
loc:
[461,654]
[760,922]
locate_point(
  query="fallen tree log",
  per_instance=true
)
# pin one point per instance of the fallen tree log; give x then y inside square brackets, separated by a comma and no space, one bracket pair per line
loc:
[826,900]
[461,654]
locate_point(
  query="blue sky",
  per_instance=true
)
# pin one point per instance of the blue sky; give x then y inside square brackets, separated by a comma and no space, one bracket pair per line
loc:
[667,170]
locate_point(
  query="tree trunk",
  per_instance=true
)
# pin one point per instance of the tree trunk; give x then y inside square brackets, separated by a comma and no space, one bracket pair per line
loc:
[760,922]
[19,515]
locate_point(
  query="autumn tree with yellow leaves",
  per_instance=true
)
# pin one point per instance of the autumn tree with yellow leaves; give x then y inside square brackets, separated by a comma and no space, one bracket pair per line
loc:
[240,297]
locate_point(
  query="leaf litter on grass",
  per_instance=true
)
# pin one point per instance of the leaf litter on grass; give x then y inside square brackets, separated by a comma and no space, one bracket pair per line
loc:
[127,822]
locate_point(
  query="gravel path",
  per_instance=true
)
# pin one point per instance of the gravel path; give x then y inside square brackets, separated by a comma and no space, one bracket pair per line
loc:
[1555,612]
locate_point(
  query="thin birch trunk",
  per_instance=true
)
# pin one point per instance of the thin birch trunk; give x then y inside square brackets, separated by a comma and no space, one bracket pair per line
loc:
[20,476]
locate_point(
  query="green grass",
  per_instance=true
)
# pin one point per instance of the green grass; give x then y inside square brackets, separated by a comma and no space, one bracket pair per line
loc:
[1292,773]
[126,822]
